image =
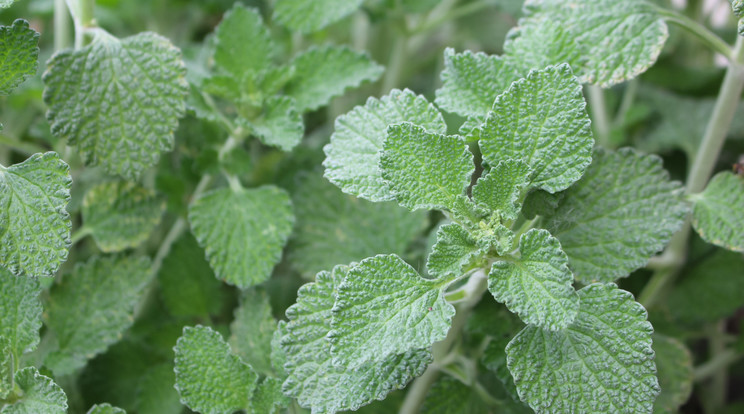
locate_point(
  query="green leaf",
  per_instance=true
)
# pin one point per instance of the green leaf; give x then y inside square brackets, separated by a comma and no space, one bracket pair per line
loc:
[542,121]
[624,210]
[353,156]
[118,101]
[39,395]
[92,307]
[7,367]
[541,203]
[268,397]
[450,396]
[384,308]
[19,54]
[425,170]
[308,16]
[280,125]
[242,232]
[252,331]
[121,214]
[333,227]
[674,364]
[34,225]
[502,188]
[536,284]
[156,394]
[323,73]
[718,215]
[210,379]
[20,313]
[242,43]
[738,7]
[105,408]
[603,362]
[312,377]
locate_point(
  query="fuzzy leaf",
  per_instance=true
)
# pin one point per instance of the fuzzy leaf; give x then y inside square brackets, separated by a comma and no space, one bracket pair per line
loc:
[618,215]
[501,188]
[674,363]
[210,379]
[19,54]
[718,215]
[118,101]
[603,362]
[105,408]
[308,16]
[242,43]
[280,125]
[252,331]
[738,8]
[242,232]
[20,313]
[7,367]
[40,395]
[353,156]
[34,225]
[458,249]
[542,121]
[268,397]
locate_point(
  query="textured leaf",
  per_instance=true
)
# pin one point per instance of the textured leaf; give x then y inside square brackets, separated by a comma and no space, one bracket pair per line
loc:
[92,307]
[312,378]
[34,225]
[242,42]
[323,73]
[7,367]
[384,308]
[105,408]
[156,394]
[118,101]
[242,232]
[718,215]
[20,313]
[252,331]
[40,395]
[738,7]
[19,54]
[268,397]
[537,284]
[280,125]
[502,188]
[425,170]
[674,364]
[333,227]
[353,156]
[603,362]
[312,15]
[618,215]
[121,214]
[542,121]
[210,379]
[450,396]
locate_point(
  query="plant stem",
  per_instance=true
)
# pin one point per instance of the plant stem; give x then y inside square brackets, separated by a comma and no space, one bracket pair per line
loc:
[82,12]
[25,148]
[462,11]
[720,361]
[80,234]
[600,119]
[61,26]
[698,30]
[719,384]
[395,66]
[631,88]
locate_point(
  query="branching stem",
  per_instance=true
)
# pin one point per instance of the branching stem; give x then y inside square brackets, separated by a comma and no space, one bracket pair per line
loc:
[600,119]
[711,39]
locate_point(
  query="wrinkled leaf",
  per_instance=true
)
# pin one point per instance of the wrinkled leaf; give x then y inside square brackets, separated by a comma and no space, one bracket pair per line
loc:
[718,215]
[19,54]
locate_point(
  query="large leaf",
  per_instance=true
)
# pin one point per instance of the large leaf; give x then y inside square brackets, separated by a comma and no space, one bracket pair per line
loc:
[674,363]
[718,215]
[603,362]
[20,313]
[39,395]
[252,331]
[242,43]
[19,53]
[312,15]
[118,101]
[34,225]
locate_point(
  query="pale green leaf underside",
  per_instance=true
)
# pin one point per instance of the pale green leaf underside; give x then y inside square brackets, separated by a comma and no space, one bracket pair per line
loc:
[425,170]
[20,313]
[312,377]
[384,308]
[624,210]
[118,101]
[34,224]
[209,378]
[40,395]
[322,73]
[252,331]
[92,307]
[105,408]
[718,215]
[674,364]
[19,54]
[542,121]
[603,362]
[242,42]
[501,188]
[121,214]
[353,155]
[333,227]
[738,7]
[280,125]
[308,16]
[537,285]
[243,233]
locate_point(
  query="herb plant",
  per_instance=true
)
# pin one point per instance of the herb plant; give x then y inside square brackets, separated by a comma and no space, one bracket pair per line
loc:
[476,249]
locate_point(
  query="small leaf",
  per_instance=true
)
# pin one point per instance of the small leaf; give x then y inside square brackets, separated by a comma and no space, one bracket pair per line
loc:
[242,43]
[502,188]
[19,54]
[252,331]
[308,16]
[603,362]
[738,7]
[118,101]
[718,215]
[20,313]
[242,232]
[280,125]
[39,395]
[425,170]
[105,408]
[210,379]
[34,225]
[353,157]
[384,308]
[450,396]
[674,363]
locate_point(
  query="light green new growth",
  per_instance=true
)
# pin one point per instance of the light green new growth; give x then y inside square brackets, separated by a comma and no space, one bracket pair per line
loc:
[34,223]
[20,313]
[353,156]
[252,331]
[623,211]
[718,215]
[38,395]
[541,120]
[503,188]
[308,16]
[210,379]
[105,408]
[92,307]
[425,170]
[118,101]
[674,365]
[19,53]
[243,44]
[280,125]
[738,7]
[603,362]
[243,232]
[536,284]
[121,214]
[384,308]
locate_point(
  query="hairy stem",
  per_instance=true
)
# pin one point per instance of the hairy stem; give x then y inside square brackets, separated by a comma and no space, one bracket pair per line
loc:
[62,38]
[698,30]
[600,119]
[454,14]
[722,360]
[719,384]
